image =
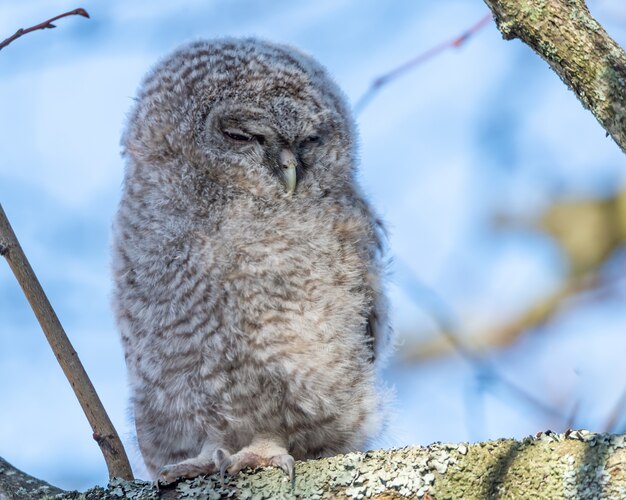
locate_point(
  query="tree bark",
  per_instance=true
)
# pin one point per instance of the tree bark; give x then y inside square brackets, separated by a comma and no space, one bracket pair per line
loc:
[565,34]
[576,465]
[103,431]
[17,484]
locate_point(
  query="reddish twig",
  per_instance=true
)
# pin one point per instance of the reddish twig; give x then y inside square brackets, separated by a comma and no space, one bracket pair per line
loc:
[42,26]
[384,79]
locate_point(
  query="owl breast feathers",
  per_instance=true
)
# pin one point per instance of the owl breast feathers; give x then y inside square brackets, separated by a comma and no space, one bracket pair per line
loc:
[247,264]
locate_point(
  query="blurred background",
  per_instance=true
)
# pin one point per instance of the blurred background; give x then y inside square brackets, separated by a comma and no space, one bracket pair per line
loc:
[504,201]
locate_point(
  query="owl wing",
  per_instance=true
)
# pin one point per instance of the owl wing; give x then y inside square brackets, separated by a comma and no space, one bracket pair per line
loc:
[370,335]
[377,331]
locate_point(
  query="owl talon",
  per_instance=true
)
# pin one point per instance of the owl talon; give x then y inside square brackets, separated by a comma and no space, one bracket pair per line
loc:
[287,464]
[247,458]
[187,469]
[167,474]
[222,461]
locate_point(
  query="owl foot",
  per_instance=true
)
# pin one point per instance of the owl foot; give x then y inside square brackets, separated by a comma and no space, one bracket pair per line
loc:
[189,468]
[261,453]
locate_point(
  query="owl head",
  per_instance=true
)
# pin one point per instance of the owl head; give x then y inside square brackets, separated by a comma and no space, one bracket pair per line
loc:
[257,116]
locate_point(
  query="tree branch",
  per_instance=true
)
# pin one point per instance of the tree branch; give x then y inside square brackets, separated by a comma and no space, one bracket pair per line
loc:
[564,33]
[41,26]
[103,431]
[576,464]
[536,315]
[17,484]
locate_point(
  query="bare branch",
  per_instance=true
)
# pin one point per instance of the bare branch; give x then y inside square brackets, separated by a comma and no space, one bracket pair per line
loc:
[42,26]
[452,334]
[383,80]
[575,464]
[572,42]
[616,412]
[103,431]
[17,484]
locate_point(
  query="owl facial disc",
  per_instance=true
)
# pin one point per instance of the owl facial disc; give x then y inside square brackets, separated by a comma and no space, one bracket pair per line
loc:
[288,163]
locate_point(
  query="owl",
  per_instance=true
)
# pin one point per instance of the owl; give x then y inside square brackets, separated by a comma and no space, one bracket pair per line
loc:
[247,265]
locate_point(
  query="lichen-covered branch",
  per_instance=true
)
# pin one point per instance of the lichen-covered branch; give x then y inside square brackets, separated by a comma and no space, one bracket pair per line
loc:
[17,484]
[577,464]
[565,34]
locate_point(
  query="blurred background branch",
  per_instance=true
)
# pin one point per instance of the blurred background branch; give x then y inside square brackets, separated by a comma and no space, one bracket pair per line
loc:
[588,233]
[379,82]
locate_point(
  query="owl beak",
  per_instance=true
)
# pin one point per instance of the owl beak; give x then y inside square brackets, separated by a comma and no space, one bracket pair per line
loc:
[288,163]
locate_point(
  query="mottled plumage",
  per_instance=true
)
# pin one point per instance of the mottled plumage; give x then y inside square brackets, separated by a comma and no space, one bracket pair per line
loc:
[246,264]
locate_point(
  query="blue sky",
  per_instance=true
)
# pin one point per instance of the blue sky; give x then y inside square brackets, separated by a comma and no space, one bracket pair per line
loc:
[477,131]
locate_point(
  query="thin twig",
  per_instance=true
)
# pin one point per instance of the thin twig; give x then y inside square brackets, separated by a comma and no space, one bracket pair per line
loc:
[42,26]
[572,419]
[486,370]
[616,413]
[448,327]
[103,431]
[384,79]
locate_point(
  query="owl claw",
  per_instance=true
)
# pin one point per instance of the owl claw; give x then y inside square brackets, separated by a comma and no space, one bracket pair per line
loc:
[287,464]
[246,458]
[222,461]
[167,474]
[187,469]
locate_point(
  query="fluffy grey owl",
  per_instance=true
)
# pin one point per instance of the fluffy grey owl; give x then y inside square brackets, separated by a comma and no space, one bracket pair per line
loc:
[246,264]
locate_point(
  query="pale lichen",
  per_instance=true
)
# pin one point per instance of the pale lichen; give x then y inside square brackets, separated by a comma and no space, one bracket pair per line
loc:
[576,464]
[565,34]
